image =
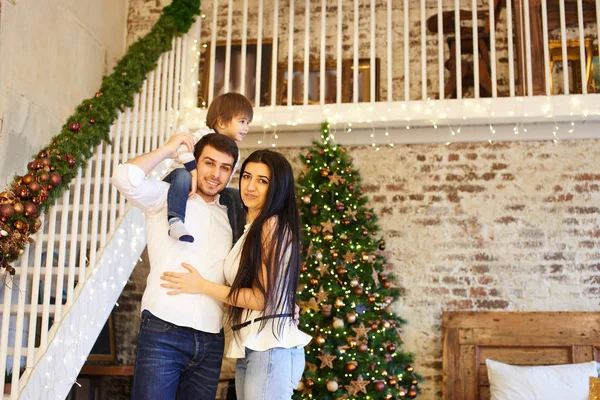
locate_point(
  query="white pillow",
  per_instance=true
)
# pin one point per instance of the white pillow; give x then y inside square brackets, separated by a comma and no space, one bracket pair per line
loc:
[551,382]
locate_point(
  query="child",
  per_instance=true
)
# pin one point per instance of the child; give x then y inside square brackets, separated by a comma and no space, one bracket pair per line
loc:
[229,114]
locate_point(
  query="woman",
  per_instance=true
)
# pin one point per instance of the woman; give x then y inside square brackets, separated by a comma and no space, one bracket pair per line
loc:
[262,270]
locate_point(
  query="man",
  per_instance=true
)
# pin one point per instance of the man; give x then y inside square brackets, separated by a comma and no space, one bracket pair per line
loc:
[180,343]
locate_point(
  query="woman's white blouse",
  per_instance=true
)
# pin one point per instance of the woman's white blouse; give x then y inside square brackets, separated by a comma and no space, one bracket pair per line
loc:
[249,336]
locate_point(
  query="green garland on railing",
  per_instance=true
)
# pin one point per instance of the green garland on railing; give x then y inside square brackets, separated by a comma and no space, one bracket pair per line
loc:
[53,168]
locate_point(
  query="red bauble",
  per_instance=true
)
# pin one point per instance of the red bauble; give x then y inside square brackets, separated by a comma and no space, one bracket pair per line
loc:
[391,348]
[314,210]
[37,165]
[386,284]
[351,366]
[379,386]
[31,166]
[34,187]
[42,154]
[98,94]
[363,347]
[22,192]
[43,177]
[412,393]
[6,211]
[358,290]
[340,206]
[74,126]
[70,160]
[19,208]
[37,200]
[309,156]
[324,172]
[351,187]
[30,210]
[27,179]
[346,221]
[92,121]
[45,162]
[55,178]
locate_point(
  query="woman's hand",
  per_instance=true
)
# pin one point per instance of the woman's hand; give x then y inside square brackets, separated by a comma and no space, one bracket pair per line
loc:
[191,283]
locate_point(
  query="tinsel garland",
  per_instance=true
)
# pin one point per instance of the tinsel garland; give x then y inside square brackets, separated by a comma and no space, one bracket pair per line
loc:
[54,166]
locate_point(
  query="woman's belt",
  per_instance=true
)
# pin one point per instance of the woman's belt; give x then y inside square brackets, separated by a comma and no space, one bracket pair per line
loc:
[244,324]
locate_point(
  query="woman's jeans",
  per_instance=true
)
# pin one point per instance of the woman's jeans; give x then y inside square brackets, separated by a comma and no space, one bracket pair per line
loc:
[174,362]
[177,196]
[272,374]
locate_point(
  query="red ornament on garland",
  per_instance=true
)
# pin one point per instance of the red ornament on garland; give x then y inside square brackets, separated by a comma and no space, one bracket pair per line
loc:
[6,211]
[27,179]
[92,121]
[98,94]
[22,192]
[55,178]
[43,177]
[19,208]
[30,210]
[74,127]
[70,160]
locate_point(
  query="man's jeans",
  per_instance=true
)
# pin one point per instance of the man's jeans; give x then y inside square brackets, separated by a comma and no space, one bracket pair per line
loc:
[269,375]
[174,362]
[177,197]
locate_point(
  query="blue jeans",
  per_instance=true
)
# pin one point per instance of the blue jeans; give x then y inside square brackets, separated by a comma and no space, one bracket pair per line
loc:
[272,374]
[177,197]
[174,362]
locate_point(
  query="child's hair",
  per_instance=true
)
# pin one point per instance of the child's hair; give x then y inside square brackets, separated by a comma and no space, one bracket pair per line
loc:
[220,143]
[227,106]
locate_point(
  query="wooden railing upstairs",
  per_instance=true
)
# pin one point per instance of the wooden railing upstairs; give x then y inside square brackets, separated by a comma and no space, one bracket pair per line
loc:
[414,62]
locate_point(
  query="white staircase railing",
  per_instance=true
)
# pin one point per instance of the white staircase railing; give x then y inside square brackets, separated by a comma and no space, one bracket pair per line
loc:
[68,280]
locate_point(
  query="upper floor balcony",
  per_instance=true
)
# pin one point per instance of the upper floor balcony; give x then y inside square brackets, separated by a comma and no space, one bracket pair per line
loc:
[397,63]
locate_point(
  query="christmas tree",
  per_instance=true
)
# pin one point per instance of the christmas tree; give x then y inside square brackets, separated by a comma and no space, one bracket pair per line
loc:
[344,294]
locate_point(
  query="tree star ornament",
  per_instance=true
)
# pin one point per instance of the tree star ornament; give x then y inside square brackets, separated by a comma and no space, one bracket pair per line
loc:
[351,213]
[359,385]
[323,269]
[335,179]
[349,257]
[326,360]
[309,305]
[362,331]
[321,295]
[328,226]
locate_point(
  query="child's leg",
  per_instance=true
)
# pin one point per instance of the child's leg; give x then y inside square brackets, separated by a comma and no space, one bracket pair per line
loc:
[181,182]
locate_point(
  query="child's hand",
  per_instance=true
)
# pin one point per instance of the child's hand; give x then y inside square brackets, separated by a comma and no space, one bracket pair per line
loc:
[190,283]
[180,139]
[194,183]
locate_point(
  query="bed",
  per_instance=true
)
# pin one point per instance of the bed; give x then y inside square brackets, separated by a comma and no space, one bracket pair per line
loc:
[519,338]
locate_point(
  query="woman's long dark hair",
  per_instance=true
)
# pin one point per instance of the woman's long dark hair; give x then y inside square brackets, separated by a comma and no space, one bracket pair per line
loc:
[281,218]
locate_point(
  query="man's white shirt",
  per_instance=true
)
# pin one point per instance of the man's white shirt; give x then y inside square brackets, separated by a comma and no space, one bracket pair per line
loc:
[209,225]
